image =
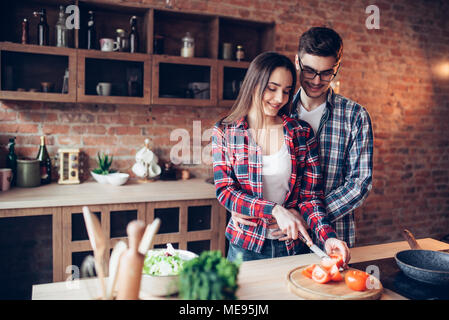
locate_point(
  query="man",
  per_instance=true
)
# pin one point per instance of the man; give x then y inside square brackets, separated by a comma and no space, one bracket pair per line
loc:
[342,127]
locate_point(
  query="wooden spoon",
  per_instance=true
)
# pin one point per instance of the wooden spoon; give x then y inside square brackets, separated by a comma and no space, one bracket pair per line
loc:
[98,243]
[147,239]
[114,265]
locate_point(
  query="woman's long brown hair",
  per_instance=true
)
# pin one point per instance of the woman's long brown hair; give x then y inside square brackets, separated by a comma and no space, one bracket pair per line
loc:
[255,83]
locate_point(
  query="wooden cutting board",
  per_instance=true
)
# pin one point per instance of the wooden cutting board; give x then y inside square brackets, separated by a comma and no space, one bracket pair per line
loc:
[309,289]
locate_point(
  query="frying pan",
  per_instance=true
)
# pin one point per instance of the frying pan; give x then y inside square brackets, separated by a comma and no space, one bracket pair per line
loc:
[423,265]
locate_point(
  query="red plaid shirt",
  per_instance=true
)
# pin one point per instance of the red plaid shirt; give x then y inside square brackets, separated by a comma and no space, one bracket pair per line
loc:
[237,163]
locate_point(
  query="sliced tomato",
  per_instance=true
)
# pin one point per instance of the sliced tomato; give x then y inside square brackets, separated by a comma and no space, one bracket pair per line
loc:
[308,271]
[327,263]
[335,273]
[356,280]
[321,275]
[338,259]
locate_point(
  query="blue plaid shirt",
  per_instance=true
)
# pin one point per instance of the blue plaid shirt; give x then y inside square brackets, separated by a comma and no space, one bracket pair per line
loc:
[345,136]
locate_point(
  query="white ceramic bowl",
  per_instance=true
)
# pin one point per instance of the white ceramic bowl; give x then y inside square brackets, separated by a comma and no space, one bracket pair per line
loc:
[164,285]
[117,179]
[100,178]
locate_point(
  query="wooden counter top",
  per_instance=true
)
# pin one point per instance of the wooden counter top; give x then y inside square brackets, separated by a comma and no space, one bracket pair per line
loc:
[258,280]
[94,193]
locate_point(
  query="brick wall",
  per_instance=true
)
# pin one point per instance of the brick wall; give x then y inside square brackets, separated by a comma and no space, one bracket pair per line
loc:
[394,72]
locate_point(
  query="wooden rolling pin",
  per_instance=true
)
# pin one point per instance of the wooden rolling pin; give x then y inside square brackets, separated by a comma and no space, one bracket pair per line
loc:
[131,264]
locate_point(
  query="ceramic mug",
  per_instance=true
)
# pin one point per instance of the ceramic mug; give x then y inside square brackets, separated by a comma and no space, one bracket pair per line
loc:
[5,179]
[154,169]
[108,44]
[104,88]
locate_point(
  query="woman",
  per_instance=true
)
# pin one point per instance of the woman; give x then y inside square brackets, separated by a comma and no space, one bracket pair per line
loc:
[266,166]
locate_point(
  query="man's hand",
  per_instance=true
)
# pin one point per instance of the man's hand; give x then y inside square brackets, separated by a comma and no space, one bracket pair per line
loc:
[333,245]
[243,219]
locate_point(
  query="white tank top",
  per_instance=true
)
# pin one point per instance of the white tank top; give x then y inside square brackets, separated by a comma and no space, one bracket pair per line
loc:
[276,173]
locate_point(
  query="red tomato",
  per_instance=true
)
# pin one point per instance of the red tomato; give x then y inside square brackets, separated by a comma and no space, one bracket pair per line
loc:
[338,259]
[335,273]
[356,280]
[321,275]
[308,271]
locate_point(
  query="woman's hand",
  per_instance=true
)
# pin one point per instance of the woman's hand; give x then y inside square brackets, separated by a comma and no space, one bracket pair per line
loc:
[290,223]
[333,245]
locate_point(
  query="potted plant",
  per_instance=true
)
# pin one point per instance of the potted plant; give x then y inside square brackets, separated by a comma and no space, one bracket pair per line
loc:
[103,169]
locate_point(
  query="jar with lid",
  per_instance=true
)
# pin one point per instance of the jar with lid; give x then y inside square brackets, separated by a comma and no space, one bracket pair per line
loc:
[122,40]
[188,46]
[240,54]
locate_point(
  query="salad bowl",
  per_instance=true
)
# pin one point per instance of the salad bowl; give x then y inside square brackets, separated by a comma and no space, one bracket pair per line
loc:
[161,269]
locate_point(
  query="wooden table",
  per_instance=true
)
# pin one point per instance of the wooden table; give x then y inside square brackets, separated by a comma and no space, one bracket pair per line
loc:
[258,280]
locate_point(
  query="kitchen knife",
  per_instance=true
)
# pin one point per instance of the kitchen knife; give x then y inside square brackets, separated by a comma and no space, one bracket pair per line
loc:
[315,249]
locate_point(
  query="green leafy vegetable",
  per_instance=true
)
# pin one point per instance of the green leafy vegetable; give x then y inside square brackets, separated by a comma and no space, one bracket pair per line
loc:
[157,263]
[209,277]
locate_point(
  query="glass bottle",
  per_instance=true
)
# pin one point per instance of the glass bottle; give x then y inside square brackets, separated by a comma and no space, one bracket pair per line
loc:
[11,160]
[45,162]
[42,28]
[25,31]
[91,33]
[133,36]
[61,29]
[188,46]
[240,54]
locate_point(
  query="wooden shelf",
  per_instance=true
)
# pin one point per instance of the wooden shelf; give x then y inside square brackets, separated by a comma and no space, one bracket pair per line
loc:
[223,66]
[209,31]
[27,76]
[115,61]
[183,66]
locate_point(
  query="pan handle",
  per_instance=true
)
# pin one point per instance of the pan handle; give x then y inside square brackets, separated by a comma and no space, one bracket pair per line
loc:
[411,240]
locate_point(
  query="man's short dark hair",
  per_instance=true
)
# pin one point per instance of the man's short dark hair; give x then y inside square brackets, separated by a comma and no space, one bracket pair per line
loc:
[321,41]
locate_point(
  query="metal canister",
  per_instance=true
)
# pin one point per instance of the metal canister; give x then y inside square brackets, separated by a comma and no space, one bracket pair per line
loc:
[28,173]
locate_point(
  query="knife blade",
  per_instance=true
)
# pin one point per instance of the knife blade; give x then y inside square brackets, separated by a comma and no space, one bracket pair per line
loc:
[320,253]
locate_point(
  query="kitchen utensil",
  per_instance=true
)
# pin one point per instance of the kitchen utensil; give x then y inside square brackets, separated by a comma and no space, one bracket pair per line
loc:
[423,265]
[309,289]
[131,264]
[98,243]
[148,236]
[28,173]
[114,265]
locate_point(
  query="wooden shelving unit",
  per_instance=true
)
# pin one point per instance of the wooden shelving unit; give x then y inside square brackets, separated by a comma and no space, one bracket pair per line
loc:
[97,66]
[26,71]
[209,32]
[178,73]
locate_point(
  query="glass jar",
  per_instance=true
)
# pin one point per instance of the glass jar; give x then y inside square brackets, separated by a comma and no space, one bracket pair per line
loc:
[188,46]
[122,40]
[240,54]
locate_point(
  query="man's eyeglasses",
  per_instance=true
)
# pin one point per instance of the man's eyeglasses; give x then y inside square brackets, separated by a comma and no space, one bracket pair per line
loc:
[310,74]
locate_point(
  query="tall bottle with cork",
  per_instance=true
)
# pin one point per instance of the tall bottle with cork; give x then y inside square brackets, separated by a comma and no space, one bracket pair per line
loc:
[45,162]
[133,36]
[42,28]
